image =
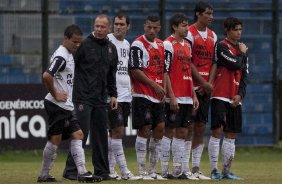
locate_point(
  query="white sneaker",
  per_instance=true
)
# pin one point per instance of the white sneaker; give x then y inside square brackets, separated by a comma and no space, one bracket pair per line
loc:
[157,176]
[130,176]
[200,176]
[190,176]
[145,176]
[115,175]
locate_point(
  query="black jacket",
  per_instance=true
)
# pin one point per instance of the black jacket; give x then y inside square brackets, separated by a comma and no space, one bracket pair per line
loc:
[95,71]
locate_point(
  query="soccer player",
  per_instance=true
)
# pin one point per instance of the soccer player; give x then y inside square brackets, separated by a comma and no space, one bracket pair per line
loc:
[181,99]
[63,123]
[202,40]
[147,71]
[118,118]
[231,65]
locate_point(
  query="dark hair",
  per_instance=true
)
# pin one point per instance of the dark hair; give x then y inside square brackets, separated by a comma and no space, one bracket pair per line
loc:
[231,23]
[201,7]
[71,30]
[121,15]
[152,18]
[177,19]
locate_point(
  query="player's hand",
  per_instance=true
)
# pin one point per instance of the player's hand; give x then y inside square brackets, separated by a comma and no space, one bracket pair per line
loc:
[236,101]
[114,103]
[205,88]
[243,48]
[195,102]
[159,90]
[61,96]
[173,104]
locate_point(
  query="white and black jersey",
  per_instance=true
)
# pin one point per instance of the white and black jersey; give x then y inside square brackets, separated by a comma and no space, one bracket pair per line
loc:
[62,69]
[122,77]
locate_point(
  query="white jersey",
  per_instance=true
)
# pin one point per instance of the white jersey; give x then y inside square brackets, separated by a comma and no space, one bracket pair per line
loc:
[63,76]
[123,80]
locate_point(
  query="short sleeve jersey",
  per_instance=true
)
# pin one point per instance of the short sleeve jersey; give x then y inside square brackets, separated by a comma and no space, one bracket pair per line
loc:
[62,69]
[122,77]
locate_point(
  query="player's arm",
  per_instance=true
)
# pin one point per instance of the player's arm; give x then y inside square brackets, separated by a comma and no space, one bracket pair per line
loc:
[168,61]
[213,67]
[244,78]
[135,67]
[206,86]
[111,79]
[226,59]
[58,64]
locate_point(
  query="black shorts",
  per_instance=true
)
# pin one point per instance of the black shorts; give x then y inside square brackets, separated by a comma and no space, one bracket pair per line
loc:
[203,110]
[179,119]
[145,112]
[61,121]
[119,117]
[222,114]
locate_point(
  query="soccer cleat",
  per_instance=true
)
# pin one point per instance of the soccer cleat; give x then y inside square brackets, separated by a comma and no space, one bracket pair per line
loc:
[145,176]
[130,176]
[47,178]
[189,176]
[115,175]
[88,177]
[157,176]
[215,175]
[200,176]
[230,176]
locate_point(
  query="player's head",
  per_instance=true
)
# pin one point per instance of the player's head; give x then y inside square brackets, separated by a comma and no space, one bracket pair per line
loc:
[233,28]
[102,26]
[203,12]
[178,24]
[72,38]
[152,27]
[121,25]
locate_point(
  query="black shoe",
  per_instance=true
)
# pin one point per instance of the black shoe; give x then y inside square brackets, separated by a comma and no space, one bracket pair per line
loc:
[88,177]
[70,176]
[47,178]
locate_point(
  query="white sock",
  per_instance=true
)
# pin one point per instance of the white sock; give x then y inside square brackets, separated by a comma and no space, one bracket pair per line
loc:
[141,150]
[111,157]
[196,155]
[228,153]
[165,154]
[213,150]
[49,156]
[186,156]
[118,152]
[154,154]
[78,156]
[177,147]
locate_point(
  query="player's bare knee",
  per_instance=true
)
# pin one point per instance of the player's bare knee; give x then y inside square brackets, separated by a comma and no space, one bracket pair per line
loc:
[117,133]
[78,135]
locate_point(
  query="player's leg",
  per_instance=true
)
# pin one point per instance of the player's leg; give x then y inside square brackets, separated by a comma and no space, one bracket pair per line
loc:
[200,120]
[218,118]
[155,141]
[83,113]
[141,120]
[166,142]
[232,128]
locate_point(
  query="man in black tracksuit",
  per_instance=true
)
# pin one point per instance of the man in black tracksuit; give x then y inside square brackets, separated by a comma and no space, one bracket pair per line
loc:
[94,80]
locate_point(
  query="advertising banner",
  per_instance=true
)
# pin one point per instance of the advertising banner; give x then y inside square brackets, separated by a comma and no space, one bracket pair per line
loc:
[23,120]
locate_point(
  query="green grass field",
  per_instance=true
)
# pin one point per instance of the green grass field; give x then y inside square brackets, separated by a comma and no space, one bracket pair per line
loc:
[255,165]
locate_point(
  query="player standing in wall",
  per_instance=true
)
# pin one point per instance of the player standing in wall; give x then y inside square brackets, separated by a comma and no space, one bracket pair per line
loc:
[118,118]
[230,81]
[202,40]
